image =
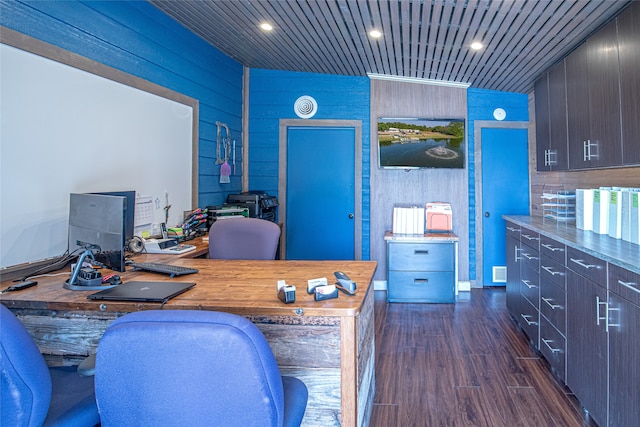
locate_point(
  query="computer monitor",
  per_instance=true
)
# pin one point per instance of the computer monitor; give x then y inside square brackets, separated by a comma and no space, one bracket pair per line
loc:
[99,220]
[129,210]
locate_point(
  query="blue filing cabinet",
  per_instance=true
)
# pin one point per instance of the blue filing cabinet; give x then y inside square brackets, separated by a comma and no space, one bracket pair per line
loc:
[422,268]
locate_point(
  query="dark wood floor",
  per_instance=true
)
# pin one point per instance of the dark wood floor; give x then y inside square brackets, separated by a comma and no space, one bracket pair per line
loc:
[462,364]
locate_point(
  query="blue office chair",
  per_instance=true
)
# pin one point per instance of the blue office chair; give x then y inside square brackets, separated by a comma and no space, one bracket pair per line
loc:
[32,394]
[243,238]
[192,368]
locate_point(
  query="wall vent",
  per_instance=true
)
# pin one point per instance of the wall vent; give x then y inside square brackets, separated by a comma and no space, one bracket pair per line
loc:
[499,274]
[305,107]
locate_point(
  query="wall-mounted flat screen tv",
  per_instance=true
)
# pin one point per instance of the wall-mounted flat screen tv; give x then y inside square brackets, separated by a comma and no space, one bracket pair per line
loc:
[414,143]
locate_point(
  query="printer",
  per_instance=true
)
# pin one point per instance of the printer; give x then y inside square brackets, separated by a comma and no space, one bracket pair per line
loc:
[260,204]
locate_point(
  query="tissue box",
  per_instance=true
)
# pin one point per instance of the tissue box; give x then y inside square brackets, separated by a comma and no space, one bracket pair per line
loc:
[438,217]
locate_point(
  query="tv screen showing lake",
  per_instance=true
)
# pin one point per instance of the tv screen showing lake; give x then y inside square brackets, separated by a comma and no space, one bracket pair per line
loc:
[421,143]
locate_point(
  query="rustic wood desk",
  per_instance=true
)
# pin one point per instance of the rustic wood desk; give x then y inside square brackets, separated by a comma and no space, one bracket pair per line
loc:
[329,345]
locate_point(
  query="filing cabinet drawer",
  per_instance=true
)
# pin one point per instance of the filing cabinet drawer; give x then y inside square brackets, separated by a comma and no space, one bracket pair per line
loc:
[553,271]
[530,238]
[421,256]
[513,230]
[415,286]
[530,256]
[624,283]
[529,321]
[530,286]
[553,303]
[552,249]
[594,269]
[553,347]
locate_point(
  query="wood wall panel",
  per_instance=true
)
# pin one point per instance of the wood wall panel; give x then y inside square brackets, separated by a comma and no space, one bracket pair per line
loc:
[570,180]
[390,188]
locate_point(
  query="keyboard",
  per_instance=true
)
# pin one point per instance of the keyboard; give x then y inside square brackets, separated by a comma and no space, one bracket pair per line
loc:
[171,270]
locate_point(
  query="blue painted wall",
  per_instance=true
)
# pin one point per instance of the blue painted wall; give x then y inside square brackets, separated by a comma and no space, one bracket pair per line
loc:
[137,38]
[480,106]
[272,96]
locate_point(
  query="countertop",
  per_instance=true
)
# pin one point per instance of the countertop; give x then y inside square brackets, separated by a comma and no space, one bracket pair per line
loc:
[614,251]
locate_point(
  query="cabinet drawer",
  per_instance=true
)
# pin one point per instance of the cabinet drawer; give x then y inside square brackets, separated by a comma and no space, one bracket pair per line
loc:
[624,283]
[530,257]
[530,285]
[553,303]
[553,347]
[513,230]
[553,271]
[420,287]
[530,238]
[587,266]
[529,321]
[552,249]
[421,256]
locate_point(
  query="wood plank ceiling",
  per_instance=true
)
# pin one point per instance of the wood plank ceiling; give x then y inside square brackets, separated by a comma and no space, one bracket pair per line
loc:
[423,39]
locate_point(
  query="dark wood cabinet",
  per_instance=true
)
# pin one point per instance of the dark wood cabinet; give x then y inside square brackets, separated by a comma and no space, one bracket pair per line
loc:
[629,57]
[624,347]
[577,106]
[551,120]
[587,356]
[543,138]
[513,270]
[593,102]
[588,106]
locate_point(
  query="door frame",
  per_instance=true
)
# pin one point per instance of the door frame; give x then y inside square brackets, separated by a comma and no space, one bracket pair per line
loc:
[478,126]
[285,124]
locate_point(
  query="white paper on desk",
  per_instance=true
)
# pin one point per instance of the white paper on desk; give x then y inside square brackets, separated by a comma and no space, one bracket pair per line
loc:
[601,211]
[584,209]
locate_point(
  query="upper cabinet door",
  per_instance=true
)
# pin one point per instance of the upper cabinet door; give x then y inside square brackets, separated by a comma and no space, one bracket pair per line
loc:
[629,54]
[559,158]
[543,146]
[577,106]
[604,97]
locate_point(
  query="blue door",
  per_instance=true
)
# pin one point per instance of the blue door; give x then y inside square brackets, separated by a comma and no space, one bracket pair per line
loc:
[505,191]
[320,193]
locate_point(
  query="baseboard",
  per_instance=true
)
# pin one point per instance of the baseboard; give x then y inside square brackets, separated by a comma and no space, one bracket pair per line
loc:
[464,286]
[379,285]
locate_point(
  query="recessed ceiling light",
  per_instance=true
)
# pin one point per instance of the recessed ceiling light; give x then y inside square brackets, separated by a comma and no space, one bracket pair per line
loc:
[476,46]
[375,34]
[266,26]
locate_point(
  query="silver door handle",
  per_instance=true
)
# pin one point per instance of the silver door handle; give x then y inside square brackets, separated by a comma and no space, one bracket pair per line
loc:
[553,350]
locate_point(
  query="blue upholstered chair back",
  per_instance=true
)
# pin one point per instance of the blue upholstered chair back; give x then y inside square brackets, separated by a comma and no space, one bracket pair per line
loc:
[243,238]
[31,394]
[188,368]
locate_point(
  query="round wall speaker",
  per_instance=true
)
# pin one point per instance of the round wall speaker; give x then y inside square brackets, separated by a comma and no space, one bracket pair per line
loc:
[305,107]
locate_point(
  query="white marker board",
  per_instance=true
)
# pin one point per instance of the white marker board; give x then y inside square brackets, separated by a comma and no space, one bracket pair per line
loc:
[65,130]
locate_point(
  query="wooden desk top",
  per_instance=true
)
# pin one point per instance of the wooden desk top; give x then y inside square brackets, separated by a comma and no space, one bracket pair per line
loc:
[240,287]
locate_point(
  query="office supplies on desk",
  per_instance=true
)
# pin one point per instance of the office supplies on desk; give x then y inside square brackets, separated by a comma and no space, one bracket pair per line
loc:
[171,270]
[166,246]
[143,291]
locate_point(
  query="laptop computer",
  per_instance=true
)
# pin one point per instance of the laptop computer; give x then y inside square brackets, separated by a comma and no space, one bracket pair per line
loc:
[143,291]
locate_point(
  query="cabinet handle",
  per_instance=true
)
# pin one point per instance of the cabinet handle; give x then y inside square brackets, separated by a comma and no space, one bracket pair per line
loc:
[551,248]
[585,147]
[417,280]
[529,285]
[527,256]
[550,270]
[515,255]
[512,229]
[609,324]
[630,285]
[548,301]
[530,237]
[553,350]
[421,252]
[525,317]
[582,264]
[598,304]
